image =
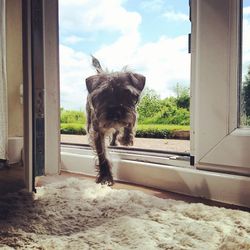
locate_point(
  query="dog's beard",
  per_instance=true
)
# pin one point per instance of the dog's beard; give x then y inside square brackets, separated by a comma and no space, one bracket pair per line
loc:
[116,118]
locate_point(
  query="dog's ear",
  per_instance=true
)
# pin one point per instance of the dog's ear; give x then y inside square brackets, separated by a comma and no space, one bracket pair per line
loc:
[138,81]
[92,82]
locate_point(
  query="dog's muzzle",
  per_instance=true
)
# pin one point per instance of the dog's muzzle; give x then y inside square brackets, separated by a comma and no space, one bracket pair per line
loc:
[116,113]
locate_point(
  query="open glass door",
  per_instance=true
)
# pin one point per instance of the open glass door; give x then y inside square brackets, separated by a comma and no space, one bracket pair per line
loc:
[219,142]
[41,87]
[152,39]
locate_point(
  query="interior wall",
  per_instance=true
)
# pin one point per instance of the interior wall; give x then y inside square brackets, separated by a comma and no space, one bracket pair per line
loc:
[14,66]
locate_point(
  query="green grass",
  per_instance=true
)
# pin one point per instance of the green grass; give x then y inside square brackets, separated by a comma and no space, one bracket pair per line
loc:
[73,128]
[143,130]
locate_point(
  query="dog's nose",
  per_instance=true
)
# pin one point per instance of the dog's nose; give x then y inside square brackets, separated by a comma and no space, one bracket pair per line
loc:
[114,113]
[116,116]
[115,119]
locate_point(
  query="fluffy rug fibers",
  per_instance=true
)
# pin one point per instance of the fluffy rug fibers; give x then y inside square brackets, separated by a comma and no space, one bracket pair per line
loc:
[79,214]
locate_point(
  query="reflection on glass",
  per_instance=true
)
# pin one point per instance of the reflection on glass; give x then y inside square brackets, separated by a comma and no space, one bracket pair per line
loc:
[245,86]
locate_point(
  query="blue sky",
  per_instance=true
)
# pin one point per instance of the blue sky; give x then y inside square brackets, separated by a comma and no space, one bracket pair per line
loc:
[154,23]
[148,36]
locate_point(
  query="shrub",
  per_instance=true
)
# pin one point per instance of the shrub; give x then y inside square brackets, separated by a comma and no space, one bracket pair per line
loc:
[170,115]
[182,96]
[159,131]
[143,131]
[72,116]
[171,110]
[183,102]
[73,128]
[245,100]
[149,104]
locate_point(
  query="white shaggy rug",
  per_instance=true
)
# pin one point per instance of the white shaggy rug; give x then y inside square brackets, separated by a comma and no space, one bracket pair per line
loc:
[79,214]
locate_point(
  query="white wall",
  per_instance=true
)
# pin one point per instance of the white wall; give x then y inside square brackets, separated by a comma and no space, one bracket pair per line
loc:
[14,66]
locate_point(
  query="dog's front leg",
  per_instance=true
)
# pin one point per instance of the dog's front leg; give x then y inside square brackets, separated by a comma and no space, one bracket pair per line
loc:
[104,171]
[113,138]
[127,138]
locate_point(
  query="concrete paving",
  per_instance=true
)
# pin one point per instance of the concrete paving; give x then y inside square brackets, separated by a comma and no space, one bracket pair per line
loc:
[147,143]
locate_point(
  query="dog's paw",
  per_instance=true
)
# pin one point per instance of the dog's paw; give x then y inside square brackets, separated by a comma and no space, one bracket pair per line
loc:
[127,140]
[113,144]
[104,174]
[105,180]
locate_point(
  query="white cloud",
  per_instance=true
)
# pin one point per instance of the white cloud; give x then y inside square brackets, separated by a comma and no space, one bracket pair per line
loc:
[153,5]
[164,62]
[74,68]
[95,15]
[246,11]
[176,16]
[71,40]
[119,53]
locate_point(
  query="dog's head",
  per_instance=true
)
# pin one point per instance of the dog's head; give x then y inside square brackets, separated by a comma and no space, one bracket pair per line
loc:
[113,97]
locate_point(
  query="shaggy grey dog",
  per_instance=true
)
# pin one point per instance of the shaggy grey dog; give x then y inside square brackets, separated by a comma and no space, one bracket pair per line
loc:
[111,111]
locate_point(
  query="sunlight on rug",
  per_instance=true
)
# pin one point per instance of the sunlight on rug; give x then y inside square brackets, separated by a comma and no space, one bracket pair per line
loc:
[79,214]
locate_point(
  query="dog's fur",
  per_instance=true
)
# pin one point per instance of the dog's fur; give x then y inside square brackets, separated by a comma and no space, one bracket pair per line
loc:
[111,111]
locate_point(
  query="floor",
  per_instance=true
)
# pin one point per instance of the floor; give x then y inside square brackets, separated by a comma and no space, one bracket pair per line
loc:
[41,181]
[11,179]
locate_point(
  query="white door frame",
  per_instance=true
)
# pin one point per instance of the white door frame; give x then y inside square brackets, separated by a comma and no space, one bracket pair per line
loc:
[217,142]
[52,87]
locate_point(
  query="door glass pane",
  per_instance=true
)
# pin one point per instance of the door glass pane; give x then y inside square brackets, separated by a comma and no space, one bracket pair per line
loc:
[245,86]
[151,38]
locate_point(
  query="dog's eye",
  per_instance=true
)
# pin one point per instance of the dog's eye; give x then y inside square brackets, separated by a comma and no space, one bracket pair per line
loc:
[130,96]
[136,101]
[93,99]
[127,92]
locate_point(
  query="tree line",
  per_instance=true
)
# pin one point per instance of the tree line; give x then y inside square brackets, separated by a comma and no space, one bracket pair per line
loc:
[245,100]
[151,109]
